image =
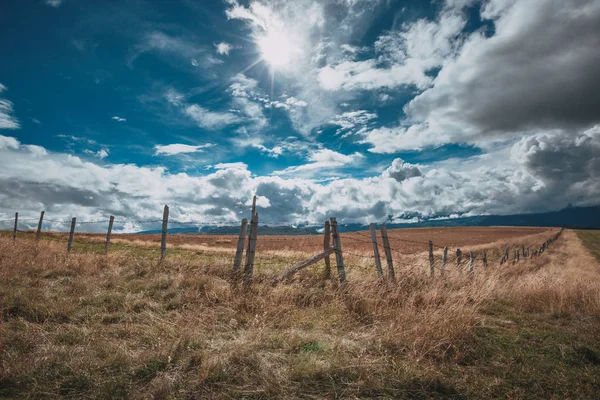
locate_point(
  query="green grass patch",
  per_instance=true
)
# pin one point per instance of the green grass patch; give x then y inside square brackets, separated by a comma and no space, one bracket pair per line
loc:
[591,240]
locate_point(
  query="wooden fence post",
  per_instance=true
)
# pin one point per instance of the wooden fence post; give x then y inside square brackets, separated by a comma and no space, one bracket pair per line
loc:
[303,264]
[337,244]
[108,233]
[376,250]
[504,257]
[39,228]
[523,251]
[239,251]
[444,260]
[70,244]
[326,245]
[431,267]
[253,209]
[485,261]
[388,253]
[249,267]
[471,259]
[16,224]
[459,259]
[163,240]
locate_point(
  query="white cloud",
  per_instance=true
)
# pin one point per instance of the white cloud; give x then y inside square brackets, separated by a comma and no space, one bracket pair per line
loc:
[8,142]
[292,101]
[392,140]
[223,48]
[544,172]
[235,165]
[404,56]
[178,148]
[364,75]
[119,119]
[324,159]
[210,119]
[102,154]
[7,120]
[167,46]
[351,121]
[243,111]
[243,86]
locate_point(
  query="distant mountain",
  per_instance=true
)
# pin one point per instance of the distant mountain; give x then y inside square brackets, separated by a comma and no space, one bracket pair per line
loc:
[570,217]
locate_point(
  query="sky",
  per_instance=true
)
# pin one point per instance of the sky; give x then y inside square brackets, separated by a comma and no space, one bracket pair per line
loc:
[366,110]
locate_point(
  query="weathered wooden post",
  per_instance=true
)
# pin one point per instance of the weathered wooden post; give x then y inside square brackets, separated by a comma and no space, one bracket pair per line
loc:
[444,260]
[253,210]
[337,243]
[163,240]
[431,267]
[518,258]
[70,244]
[249,267]
[39,228]
[459,259]
[239,251]
[523,251]
[504,257]
[326,245]
[388,253]
[108,233]
[16,224]
[485,261]
[376,250]
[471,259]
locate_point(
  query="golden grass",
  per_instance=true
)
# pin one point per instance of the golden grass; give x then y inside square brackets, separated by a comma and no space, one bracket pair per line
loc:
[126,326]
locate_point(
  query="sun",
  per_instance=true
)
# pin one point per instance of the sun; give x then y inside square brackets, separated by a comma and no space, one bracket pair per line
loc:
[278,49]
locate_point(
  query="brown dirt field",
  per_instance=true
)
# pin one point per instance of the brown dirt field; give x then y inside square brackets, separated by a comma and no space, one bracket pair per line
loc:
[405,241]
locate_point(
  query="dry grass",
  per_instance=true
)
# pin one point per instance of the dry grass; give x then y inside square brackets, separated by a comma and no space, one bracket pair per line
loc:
[125,326]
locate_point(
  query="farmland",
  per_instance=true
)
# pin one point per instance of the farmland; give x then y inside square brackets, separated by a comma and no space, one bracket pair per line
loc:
[126,325]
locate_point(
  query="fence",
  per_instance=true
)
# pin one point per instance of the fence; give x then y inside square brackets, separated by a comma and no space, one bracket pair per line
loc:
[332,245]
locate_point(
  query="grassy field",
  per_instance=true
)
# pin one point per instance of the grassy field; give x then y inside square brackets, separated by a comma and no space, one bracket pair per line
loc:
[126,326]
[591,240]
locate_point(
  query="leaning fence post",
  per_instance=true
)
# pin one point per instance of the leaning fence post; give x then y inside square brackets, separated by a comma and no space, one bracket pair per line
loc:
[444,258]
[459,259]
[376,250]
[108,233]
[326,245]
[337,243]
[163,240]
[39,228]
[249,267]
[237,261]
[388,253]
[431,268]
[16,224]
[485,262]
[253,209]
[70,244]
[471,258]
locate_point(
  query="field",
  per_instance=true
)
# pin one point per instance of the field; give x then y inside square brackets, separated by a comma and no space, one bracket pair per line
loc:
[591,240]
[86,325]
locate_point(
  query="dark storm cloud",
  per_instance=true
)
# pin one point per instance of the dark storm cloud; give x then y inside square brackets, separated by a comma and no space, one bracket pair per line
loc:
[539,71]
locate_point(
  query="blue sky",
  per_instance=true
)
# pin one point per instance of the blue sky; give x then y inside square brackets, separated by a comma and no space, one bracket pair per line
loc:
[369,110]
